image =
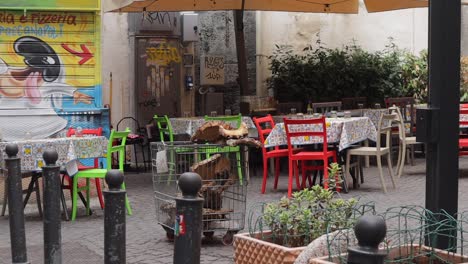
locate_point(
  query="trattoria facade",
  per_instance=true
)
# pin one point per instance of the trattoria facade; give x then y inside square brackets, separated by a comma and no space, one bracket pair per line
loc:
[50,67]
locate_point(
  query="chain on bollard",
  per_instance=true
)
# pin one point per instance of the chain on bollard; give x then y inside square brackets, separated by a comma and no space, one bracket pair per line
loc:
[188,226]
[52,213]
[114,219]
[15,206]
[370,231]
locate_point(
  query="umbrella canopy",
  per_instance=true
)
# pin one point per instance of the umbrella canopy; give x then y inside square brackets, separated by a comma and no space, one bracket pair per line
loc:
[386,5]
[310,6]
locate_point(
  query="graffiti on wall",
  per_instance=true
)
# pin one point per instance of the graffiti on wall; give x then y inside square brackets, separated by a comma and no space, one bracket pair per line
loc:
[47,64]
[212,70]
[160,56]
[161,18]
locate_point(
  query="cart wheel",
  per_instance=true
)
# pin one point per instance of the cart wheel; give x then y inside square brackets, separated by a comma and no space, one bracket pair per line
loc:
[209,234]
[169,233]
[228,238]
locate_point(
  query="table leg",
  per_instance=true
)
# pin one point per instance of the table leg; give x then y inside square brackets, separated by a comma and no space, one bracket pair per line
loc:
[366,158]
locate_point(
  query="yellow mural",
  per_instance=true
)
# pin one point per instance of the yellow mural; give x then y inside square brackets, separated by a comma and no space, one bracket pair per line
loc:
[73,36]
[51,4]
[49,63]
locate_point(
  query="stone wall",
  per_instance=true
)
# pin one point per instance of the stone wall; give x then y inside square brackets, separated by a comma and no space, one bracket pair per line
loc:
[217,37]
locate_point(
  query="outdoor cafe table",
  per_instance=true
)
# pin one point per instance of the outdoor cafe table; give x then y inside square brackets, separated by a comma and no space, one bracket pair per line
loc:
[344,131]
[69,150]
[188,125]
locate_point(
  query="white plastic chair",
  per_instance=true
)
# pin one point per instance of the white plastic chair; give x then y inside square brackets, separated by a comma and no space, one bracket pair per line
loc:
[384,127]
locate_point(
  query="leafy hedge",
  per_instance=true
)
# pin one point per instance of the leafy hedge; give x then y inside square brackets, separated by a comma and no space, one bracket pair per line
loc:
[323,74]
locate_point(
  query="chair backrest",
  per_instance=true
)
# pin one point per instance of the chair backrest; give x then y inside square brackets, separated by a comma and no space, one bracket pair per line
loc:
[326,107]
[406,105]
[315,127]
[119,148]
[133,124]
[285,107]
[164,126]
[87,131]
[385,126]
[234,119]
[264,126]
[400,120]
[353,102]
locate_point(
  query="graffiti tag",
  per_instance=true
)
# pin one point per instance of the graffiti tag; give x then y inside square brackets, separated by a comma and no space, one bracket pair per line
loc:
[160,18]
[163,54]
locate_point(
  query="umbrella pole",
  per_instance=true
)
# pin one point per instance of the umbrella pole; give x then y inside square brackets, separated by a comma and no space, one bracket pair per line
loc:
[240,48]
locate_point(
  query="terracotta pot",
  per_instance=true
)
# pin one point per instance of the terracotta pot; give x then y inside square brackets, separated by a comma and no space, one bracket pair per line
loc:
[405,251]
[248,250]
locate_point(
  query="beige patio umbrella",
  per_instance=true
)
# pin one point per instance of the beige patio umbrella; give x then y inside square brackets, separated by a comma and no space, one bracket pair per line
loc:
[387,5]
[310,6]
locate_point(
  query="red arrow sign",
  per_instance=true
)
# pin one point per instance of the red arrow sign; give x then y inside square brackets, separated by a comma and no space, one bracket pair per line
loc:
[85,54]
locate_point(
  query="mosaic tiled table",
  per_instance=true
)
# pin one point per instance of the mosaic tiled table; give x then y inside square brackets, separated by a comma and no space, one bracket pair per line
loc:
[69,150]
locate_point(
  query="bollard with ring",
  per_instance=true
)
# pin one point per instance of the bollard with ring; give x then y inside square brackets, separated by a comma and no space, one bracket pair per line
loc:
[15,206]
[52,213]
[189,217]
[114,219]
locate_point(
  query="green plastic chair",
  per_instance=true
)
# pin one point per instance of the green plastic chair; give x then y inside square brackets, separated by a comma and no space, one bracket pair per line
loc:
[235,120]
[101,173]
[164,126]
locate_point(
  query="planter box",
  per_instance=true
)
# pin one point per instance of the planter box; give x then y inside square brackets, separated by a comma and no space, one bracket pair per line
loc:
[248,250]
[408,250]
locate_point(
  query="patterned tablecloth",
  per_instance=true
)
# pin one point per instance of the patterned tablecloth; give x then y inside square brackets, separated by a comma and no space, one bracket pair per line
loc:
[188,125]
[374,114]
[345,131]
[69,150]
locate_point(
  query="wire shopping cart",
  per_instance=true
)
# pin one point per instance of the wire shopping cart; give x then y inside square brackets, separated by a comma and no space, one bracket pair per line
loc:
[223,188]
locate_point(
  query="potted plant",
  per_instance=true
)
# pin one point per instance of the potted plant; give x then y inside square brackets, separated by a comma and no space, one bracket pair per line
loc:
[285,227]
[411,236]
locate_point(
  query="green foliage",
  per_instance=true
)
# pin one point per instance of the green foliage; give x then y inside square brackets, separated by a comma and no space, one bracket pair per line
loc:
[414,75]
[309,214]
[323,74]
[335,175]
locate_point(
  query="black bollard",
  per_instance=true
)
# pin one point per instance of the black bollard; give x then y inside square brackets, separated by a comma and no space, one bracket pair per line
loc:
[15,206]
[114,219]
[188,226]
[52,213]
[370,231]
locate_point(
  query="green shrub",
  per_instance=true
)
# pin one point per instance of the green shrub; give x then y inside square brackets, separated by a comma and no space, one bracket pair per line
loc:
[321,74]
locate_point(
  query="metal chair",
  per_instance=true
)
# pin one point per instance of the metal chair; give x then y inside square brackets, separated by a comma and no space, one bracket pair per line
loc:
[136,138]
[33,186]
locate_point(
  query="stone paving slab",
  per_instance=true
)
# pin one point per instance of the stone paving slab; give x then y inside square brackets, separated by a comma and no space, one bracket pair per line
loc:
[146,240]
[72,253]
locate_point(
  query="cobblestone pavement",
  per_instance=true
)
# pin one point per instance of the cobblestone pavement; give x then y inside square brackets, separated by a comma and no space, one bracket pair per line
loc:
[146,240]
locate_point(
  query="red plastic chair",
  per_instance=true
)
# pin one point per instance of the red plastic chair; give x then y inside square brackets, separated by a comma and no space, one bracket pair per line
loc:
[294,131]
[463,141]
[92,132]
[275,153]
